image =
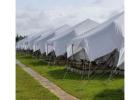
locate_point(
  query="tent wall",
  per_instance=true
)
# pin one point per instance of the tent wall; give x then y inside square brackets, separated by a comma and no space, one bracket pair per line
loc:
[30,45]
[48,44]
[103,42]
[60,45]
[40,45]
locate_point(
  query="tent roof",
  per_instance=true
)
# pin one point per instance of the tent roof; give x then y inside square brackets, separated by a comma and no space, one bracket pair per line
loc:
[99,27]
[33,37]
[102,39]
[78,29]
[59,32]
[61,29]
[56,32]
[44,36]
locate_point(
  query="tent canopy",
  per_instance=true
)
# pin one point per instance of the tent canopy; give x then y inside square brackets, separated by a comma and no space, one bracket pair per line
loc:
[98,41]
[56,33]
[59,43]
[38,43]
[31,42]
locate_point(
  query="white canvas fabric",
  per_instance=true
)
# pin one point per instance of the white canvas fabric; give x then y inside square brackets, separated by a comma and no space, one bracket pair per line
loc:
[43,36]
[31,42]
[120,63]
[120,23]
[21,43]
[39,43]
[28,44]
[35,45]
[59,43]
[24,44]
[103,42]
[80,54]
[99,41]
[48,46]
[76,50]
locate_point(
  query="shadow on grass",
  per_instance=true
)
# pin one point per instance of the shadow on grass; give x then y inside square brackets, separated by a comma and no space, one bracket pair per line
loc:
[59,74]
[24,57]
[32,60]
[110,94]
[38,63]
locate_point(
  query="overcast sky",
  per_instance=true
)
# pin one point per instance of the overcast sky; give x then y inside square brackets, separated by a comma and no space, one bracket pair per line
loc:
[33,16]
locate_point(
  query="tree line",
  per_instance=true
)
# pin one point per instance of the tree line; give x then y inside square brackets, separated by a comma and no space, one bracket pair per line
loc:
[19,37]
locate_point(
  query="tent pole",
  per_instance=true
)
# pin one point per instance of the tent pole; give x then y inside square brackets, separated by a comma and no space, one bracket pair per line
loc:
[109,62]
[99,68]
[66,69]
[67,65]
[72,55]
[89,69]
[47,54]
[82,68]
[84,65]
[113,71]
[94,74]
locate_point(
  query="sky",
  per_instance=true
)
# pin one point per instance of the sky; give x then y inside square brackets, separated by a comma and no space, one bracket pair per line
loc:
[35,16]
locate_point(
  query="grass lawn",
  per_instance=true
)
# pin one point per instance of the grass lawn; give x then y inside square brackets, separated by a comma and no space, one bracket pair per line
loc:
[28,88]
[97,88]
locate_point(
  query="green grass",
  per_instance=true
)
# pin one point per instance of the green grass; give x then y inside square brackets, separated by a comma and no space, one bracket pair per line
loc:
[28,88]
[97,88]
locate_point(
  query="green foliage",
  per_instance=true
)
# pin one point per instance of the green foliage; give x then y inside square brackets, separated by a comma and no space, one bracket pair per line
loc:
[19,37]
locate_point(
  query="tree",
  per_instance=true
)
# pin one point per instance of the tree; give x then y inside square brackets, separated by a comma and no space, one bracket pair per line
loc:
[19,37]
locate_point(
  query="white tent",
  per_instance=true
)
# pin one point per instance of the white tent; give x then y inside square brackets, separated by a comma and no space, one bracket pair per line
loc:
[99,41]
[58,32]
[32,40]
[37,44]
[21,43]
[59,43]
[40,43]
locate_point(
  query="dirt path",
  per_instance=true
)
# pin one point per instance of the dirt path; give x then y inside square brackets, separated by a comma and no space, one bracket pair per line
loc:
[46,83]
